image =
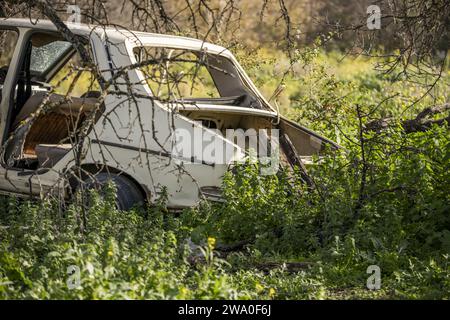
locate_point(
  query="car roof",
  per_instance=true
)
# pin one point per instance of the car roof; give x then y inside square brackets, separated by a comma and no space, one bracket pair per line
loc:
[117,34]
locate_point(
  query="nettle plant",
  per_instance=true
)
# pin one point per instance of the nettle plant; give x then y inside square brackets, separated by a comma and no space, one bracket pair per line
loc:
[133,254]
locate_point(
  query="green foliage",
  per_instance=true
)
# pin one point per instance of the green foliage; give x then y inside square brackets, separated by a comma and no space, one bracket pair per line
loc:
[121,255]
[384,201]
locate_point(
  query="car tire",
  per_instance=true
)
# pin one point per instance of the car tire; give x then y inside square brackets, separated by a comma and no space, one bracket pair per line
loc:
[128,195]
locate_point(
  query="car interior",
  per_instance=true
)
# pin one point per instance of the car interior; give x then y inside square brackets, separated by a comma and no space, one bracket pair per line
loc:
[38,139]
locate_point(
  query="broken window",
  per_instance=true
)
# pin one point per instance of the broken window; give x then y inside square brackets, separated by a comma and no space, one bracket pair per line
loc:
[173,74]
[50,74]
[193,77]
[46,55]
[86,84]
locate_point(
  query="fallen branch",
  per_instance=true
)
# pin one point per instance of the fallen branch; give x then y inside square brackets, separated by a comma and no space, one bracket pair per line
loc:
[419,124]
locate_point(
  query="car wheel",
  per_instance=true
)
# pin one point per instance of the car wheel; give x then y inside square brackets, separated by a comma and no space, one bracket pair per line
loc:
[128,194]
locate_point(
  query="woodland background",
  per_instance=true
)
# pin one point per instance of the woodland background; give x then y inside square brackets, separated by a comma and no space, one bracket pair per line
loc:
[382,94]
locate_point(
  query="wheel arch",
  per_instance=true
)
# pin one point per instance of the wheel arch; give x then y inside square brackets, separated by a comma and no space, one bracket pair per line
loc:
[92,169]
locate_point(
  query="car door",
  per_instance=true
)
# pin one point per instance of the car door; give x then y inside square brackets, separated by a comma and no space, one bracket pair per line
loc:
[11,48]
[306,142]
[37,57]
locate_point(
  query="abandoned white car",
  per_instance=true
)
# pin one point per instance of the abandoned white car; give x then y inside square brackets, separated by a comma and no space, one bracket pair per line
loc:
[153,112]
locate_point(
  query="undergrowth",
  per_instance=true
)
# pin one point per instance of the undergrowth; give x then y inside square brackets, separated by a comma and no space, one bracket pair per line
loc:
[382,200]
